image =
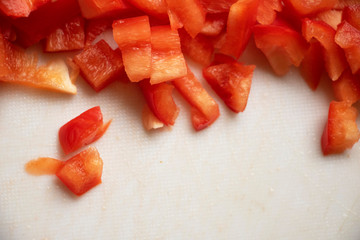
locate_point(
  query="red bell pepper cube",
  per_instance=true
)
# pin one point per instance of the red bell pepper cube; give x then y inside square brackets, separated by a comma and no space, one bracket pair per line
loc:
[104,8]
[231,81]
[160,101]
[155,8]
[218,6]
[71,36]
[348,38]
[266,12]
[306,7]
[167,59]
[351,14]
[20,67]
[347,88]
[43,21]
[82,172]
[100,65]
[199,49]
[133,37]
[82,130]
[312,66]
[335,62]
[214,24]
[242,17]
[190,13]
[192,90]
[281,45]
[341,131]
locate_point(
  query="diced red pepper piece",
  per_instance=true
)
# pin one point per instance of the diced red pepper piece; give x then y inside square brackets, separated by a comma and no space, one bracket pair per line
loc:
[232,82]
[160,101]
[149,120]
[82,172]
[348,38]
[156,8]
[167,59]
[242,17]
[104,8]
[199,49]
[133,37]
[70,36]
[312,67]
[20,8]
[335,62]
[214,24]
[331,17]
[82,130]
[341,131]
[266,12]
[95,27]
[306,7]
[218,6]
[190,13]
[281,45]
[347,88]
[17,66]
[44,21]
[100,65]
[192,90]
[351,14]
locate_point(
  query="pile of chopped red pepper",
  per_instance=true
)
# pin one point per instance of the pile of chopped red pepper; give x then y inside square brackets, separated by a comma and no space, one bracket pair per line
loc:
[321,37]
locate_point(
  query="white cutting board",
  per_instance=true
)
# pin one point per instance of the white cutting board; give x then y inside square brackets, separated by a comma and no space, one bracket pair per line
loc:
[256,175]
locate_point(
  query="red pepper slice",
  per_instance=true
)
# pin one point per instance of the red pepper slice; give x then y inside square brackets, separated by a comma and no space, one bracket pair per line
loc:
[20,67]
[242,17]
[232,82]
[335,62]
[100,65]
[82,130]
[82,172]
[281,45]
[167,59]
[192,90]
[341,131]
[133,37]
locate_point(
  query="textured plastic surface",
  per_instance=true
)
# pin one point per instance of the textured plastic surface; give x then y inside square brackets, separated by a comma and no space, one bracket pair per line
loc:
[256,175]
